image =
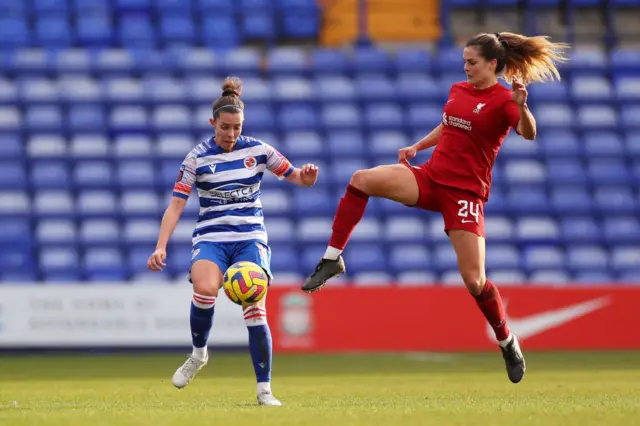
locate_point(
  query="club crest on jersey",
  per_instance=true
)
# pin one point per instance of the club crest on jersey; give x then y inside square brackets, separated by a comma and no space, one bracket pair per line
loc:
[250,163]
[479,108]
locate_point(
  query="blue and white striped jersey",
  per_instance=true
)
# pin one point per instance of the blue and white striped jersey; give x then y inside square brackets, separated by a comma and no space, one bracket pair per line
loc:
[228,186]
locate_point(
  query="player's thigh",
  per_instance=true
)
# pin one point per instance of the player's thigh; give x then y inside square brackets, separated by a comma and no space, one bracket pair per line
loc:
[254,252]
[463,214]
[209,261]
[395,182]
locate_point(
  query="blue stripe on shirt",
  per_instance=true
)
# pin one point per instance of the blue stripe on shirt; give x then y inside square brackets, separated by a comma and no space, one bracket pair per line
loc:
[229,228]
[231,165]
[244,212]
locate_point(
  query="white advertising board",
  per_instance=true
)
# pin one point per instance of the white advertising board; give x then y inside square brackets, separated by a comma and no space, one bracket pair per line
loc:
[103,315]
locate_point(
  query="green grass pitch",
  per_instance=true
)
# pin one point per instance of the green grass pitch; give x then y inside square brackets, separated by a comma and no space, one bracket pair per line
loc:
[401,389]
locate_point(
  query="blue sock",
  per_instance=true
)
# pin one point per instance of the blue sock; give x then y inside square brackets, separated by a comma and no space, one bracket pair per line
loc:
[259,342]
[260,348]
[201,320]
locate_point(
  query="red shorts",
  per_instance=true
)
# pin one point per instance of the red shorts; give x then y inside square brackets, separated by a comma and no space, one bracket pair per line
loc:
[460,209]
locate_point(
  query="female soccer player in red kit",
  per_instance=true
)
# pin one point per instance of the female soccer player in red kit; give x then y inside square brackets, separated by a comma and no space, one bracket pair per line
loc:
[456,181]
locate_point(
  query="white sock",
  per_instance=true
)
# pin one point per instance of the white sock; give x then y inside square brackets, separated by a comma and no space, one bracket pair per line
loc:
[332,253]
[506,341]
[264,387]
[199,353]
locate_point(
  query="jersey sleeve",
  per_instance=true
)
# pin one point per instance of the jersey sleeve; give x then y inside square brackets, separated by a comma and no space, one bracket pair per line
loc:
[512,113]
[186,177]
[278,163]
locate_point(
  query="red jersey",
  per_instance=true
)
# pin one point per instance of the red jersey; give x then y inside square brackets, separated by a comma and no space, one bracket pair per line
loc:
[475,123]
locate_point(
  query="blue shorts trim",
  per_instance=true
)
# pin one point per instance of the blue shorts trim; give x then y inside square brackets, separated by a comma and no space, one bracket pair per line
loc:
[226,254]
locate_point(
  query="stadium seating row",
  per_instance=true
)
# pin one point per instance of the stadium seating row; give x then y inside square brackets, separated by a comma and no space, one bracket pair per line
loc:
[281,61]
[405,88]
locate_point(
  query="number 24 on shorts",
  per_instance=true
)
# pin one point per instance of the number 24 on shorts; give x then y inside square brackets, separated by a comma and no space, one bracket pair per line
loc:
[468,208]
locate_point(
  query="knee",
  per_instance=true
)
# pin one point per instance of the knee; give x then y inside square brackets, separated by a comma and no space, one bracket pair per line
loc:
[205,288]
[474,280]
[361,180]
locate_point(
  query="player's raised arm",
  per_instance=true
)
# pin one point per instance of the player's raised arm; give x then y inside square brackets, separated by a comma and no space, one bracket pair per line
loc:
[280,166]
[181,190]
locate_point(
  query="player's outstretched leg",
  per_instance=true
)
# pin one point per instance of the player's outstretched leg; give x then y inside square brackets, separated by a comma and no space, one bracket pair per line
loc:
[350,211]
[201,320]
[260,347]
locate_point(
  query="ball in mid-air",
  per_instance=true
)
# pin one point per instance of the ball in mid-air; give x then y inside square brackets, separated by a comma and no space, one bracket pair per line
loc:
[245,283]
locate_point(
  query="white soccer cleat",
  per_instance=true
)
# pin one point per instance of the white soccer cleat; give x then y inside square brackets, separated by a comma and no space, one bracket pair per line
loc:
[188,371]
[267,398]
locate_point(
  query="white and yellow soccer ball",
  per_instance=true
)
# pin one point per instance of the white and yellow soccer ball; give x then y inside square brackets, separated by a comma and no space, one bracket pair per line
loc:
[245,283]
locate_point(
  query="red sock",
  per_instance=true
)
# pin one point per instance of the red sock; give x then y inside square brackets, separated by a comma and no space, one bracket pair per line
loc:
[490,303]
[349,213]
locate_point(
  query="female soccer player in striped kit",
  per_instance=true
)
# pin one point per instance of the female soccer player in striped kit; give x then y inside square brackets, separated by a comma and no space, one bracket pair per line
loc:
[456,180]
[227,170]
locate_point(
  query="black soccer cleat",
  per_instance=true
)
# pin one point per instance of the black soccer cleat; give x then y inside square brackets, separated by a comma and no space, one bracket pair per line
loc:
[325,270]
[514,360]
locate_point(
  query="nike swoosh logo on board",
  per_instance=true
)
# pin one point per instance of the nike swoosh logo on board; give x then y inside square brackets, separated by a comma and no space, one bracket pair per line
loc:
[532,325]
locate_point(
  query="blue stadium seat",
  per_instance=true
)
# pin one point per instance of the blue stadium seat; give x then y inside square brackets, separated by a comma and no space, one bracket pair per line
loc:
[59,259]
[59,232]
[301,118]
[549,277]
[366,258]
[417,87]
[343,116]
[630,117]
[374,88]
[301,25]
[597,117]
[136,174]
[527,199]
[444,258]
[579,229]
[499,227]
[129,119]
[624,62]
[132,146]
[537,230]
[628,90]
[553,115]
[97,203]
[177,29]
[286,61]
[588,61]
[543,258]
[83,118]
[89,146]
[573,199]
[14,204]
[259,25]
[387,143]
[219,31]
[625,258]
[53,203]
[413,60]
[405,257]
[328,61]
[104,263]
[313,230]
[284,258]
[334,89]
[345,143]
[566,171]
[525,171]
[50,175]
[136,31]
[590,89]
[99,232]
[8,92]
[12,176]
[94,174]
[603,144]
[619,230]
[615,200]
[502,256]
[171,118]
[559,143]
[80,90]
[410,230]
[313,202]
[587,258]
[53,32]
[424,117]
[371,61]
[550,92]
[14,32]
[384,116]
[609,171]
[303,144]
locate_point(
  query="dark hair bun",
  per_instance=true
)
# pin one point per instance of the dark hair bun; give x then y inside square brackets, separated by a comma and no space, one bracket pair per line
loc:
[232,86]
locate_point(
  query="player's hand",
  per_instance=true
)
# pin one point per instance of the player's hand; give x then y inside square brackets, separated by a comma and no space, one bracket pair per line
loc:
[156,260]
[519,93]
[406,154]
[309,174]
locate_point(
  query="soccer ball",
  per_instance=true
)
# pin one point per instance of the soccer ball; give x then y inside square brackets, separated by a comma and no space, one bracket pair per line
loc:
[245,283]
